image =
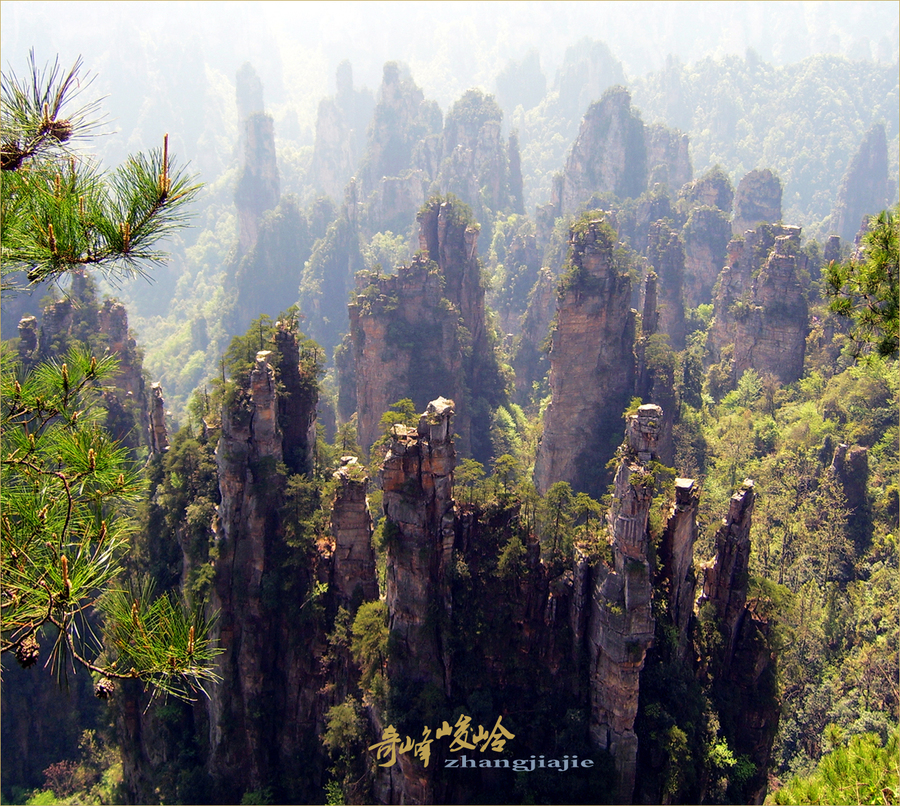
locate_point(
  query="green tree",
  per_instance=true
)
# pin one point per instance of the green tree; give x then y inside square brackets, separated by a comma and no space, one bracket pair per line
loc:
[60,211]
[68,490]
[865,771]
[558,516]
[866,291]
[369,644]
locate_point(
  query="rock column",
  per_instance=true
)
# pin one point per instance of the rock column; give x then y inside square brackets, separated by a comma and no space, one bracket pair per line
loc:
[621,621]
[351,527]
[417,480]
[591,365]
[677,556]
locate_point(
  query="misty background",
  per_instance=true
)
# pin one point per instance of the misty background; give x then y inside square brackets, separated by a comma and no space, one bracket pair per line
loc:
[153,58]
[795,87]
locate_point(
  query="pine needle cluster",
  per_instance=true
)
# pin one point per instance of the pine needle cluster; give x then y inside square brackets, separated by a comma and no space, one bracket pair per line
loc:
[68,489]
[60,211]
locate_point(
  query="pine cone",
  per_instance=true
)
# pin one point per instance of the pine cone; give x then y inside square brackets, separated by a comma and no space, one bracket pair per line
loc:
[11,157]
[103,688]
[60,130]
[27,652]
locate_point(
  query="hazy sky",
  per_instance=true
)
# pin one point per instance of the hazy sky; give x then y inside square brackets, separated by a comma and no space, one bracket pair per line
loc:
[434,37]
[176,61]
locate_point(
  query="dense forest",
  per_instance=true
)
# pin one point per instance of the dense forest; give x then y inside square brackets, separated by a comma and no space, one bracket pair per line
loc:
[547,417]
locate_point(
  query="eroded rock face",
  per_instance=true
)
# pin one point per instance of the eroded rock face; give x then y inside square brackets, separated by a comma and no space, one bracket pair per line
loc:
[724,581]
[591,365]
[615,153]
[677,556]
[249,739]
[864,189]
[422,331]
[706,235]
[351,527]
[401,119]
[258,187]
[474,163]
[621,622]
[80,313]
[529,362]
[713,189]
[757,200]
[765,317]
[608,156]
[340,133]
[417,481]
[159,434]
[666,255]
[297,403]
[249,439]
[452,243]
[745,663]
[668,158]
[392,322]
[248,92]
[28,338]
[393,203]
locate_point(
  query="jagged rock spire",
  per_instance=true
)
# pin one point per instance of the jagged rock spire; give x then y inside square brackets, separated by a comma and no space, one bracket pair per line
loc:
[621,623]
[159,435]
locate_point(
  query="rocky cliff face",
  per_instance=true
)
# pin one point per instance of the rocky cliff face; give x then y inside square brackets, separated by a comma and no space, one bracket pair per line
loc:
[864,189]
[764,316]
[723,580]
[450,239]
[529,361]
[262,588]
[591,364]
[655,371]
[608,156]
[757,200]
[420,541]
[28,339]
[340,134]
[676,555]
[248,92]
[615,152]
[480,622]
[405,341]
[401,119]
[745,665]
[621,621]
[351,527]
[713,189]
[475,161]
[297,402]
[250,440]
[423,330]
[706,235]
[258,187]
[159,434]
[666,254]
[668,158]
[81,318]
